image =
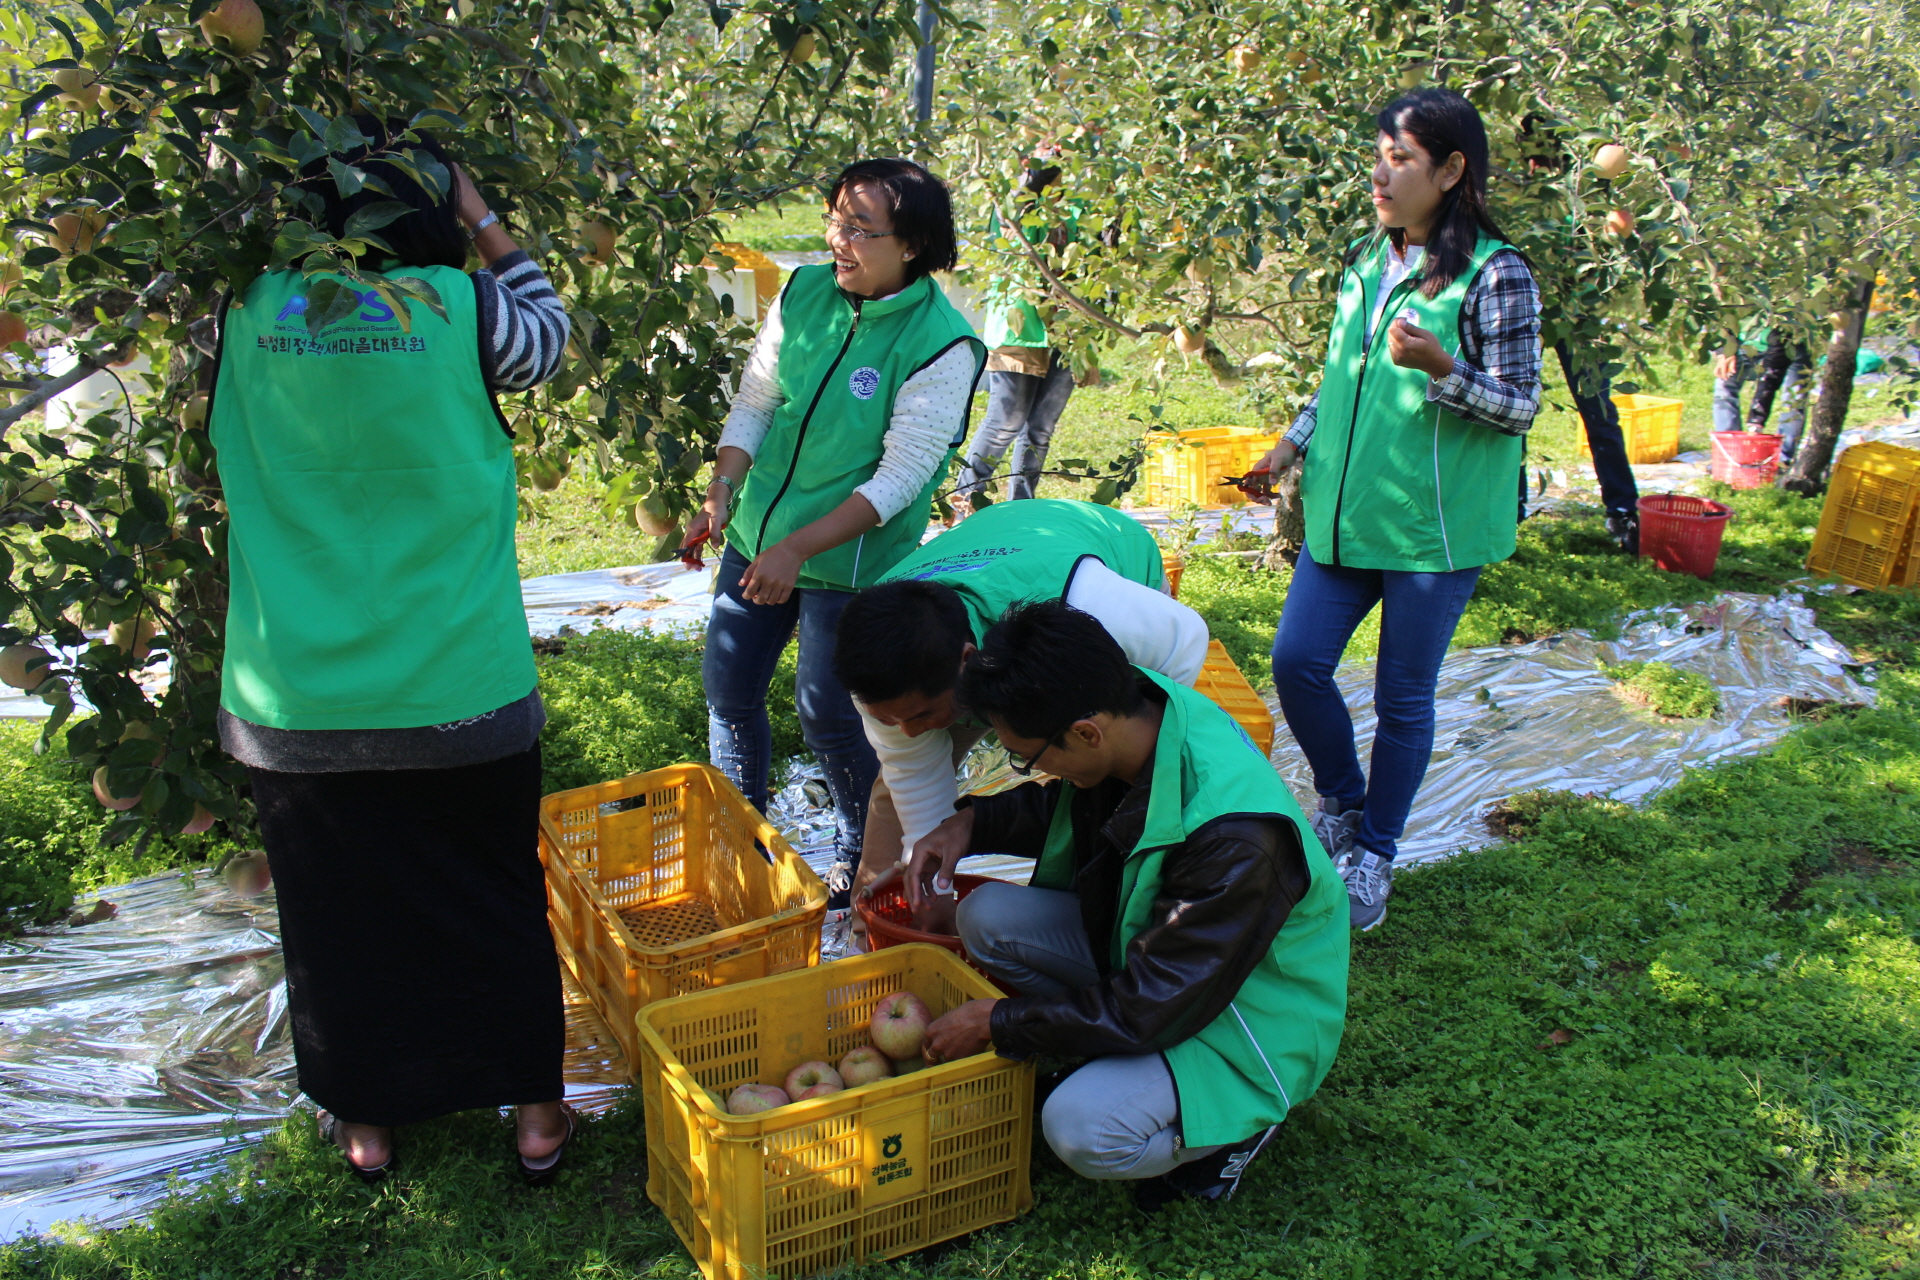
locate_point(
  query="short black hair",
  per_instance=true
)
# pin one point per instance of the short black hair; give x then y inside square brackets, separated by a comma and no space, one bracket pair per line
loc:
[921,208]
[429,236]
[901,637]
[1046,665]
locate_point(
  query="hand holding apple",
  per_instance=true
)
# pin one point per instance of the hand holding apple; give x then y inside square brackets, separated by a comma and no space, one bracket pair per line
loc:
[961,1034]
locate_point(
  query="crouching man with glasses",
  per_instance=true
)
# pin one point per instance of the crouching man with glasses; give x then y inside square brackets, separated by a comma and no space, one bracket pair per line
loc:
[1184,930]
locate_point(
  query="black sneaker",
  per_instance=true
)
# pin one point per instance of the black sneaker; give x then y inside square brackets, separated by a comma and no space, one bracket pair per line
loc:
[1624,528]
[1213,1178]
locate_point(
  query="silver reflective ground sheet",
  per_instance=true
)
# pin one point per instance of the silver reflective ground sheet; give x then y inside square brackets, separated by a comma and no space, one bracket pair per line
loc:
[153,1045]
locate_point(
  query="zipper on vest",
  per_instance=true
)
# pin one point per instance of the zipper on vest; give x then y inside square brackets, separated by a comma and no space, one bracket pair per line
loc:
[1353,418]
[793,466]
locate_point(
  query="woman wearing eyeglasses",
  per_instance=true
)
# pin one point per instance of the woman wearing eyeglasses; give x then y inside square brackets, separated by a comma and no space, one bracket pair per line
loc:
[848,414]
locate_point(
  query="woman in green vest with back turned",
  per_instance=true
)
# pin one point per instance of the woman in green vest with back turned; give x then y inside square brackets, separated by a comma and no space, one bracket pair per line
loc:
[378,683]
[1411,470]
[848,414]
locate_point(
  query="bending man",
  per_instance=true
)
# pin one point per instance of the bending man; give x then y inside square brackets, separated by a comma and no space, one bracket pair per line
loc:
[902,642]
[1184,928]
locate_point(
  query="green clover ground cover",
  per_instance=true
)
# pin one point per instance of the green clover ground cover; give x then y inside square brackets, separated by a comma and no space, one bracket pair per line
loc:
[1671,1041]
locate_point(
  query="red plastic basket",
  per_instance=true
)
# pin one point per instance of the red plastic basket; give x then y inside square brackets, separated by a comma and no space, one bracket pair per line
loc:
[1681,533]
[889,919]
[1745,459]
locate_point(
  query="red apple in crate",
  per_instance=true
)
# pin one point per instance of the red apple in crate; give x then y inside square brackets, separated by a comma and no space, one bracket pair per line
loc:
[900,1024]
[863,1066]
[752,1099]
[813,1080]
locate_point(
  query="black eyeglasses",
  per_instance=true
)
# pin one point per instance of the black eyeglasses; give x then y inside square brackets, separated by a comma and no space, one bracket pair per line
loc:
[1025,768]
[851,232]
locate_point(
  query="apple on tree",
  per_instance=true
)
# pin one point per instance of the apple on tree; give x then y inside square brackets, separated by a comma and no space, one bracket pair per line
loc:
[1611,161]
[1620,224]
[236,26]
[104,794]
[24,666]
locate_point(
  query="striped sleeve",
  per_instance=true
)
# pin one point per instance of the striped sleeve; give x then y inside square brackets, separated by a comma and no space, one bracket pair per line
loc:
[523,323]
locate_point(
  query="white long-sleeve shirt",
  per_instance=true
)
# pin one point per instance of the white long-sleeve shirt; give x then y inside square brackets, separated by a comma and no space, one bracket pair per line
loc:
[1152,628]
[929,417]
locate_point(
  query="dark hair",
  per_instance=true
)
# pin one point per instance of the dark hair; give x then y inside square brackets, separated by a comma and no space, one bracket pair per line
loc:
[1442,122]
[430,235]
[1046,665]
[922,210]
[901,637]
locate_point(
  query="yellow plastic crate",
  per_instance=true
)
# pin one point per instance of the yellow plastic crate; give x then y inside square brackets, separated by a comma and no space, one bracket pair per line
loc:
[1866,533]
[1651,426]
[1186,466]
[873,1172]
[655,889]
[1172,566]
[1220,680]
[767,274]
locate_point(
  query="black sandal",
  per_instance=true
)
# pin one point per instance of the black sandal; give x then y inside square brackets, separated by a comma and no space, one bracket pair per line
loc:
[541,1173]
[328,1130]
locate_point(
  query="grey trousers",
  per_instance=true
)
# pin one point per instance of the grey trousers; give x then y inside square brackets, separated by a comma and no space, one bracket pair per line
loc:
[1116,1117]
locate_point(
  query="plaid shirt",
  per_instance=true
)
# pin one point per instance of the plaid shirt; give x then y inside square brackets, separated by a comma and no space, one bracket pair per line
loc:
[1496,373]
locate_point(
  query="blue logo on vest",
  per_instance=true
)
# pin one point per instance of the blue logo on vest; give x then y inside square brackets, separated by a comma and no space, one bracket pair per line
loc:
[864,382]
[296,306]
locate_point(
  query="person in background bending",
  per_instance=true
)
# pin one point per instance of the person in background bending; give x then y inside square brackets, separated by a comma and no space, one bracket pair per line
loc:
[1028,383]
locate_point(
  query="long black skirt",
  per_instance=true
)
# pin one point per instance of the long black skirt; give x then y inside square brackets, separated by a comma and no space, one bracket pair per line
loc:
[421,976]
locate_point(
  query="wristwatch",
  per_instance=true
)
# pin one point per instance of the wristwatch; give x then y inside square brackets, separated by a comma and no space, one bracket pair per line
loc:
[492,219]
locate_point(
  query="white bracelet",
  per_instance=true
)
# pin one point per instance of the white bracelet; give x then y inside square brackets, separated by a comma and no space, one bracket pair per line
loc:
[492,219]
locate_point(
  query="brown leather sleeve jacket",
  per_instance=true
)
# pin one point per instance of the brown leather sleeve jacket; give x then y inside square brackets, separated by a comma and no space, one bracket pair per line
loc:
[1224,894]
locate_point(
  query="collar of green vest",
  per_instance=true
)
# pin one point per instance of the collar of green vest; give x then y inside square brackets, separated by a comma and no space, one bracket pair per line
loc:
[911,296]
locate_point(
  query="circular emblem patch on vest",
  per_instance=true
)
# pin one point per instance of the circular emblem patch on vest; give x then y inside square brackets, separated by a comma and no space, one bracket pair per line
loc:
[864,382]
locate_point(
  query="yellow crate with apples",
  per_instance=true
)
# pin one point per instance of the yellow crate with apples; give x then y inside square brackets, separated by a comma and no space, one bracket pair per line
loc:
[1186,466]
[876,1171]
[656,886]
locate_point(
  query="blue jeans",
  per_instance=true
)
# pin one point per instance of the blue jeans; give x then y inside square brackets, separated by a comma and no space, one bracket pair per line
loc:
[1022,411]
[744,643]
[1418,612]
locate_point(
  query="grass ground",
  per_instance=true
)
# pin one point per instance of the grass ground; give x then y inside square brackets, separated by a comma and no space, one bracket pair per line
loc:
[1676,1041]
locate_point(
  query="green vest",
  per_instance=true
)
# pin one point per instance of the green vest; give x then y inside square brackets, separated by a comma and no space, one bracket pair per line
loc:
[841,365]
[1391,480]
[371,489]
[1028,550]
[1275,1043]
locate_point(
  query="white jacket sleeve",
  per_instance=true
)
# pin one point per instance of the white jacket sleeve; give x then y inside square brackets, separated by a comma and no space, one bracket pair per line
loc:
[919,775]
[759,395]
[1155,630]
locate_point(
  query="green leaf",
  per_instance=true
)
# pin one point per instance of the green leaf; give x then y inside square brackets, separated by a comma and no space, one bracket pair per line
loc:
[347,179]
[344,135]
[101,18]
[316,122]
[73,41]
[370,218]
[415,287]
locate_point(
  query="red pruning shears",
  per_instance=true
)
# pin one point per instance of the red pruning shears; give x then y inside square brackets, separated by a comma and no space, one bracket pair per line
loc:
[690,553]
[1254,483]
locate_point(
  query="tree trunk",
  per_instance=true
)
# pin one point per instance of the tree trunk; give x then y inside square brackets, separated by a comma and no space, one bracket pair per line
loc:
[1808,474]
[1289,522]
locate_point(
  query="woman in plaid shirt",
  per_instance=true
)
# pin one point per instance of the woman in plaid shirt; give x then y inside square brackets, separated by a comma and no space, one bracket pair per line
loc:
[1410,464]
